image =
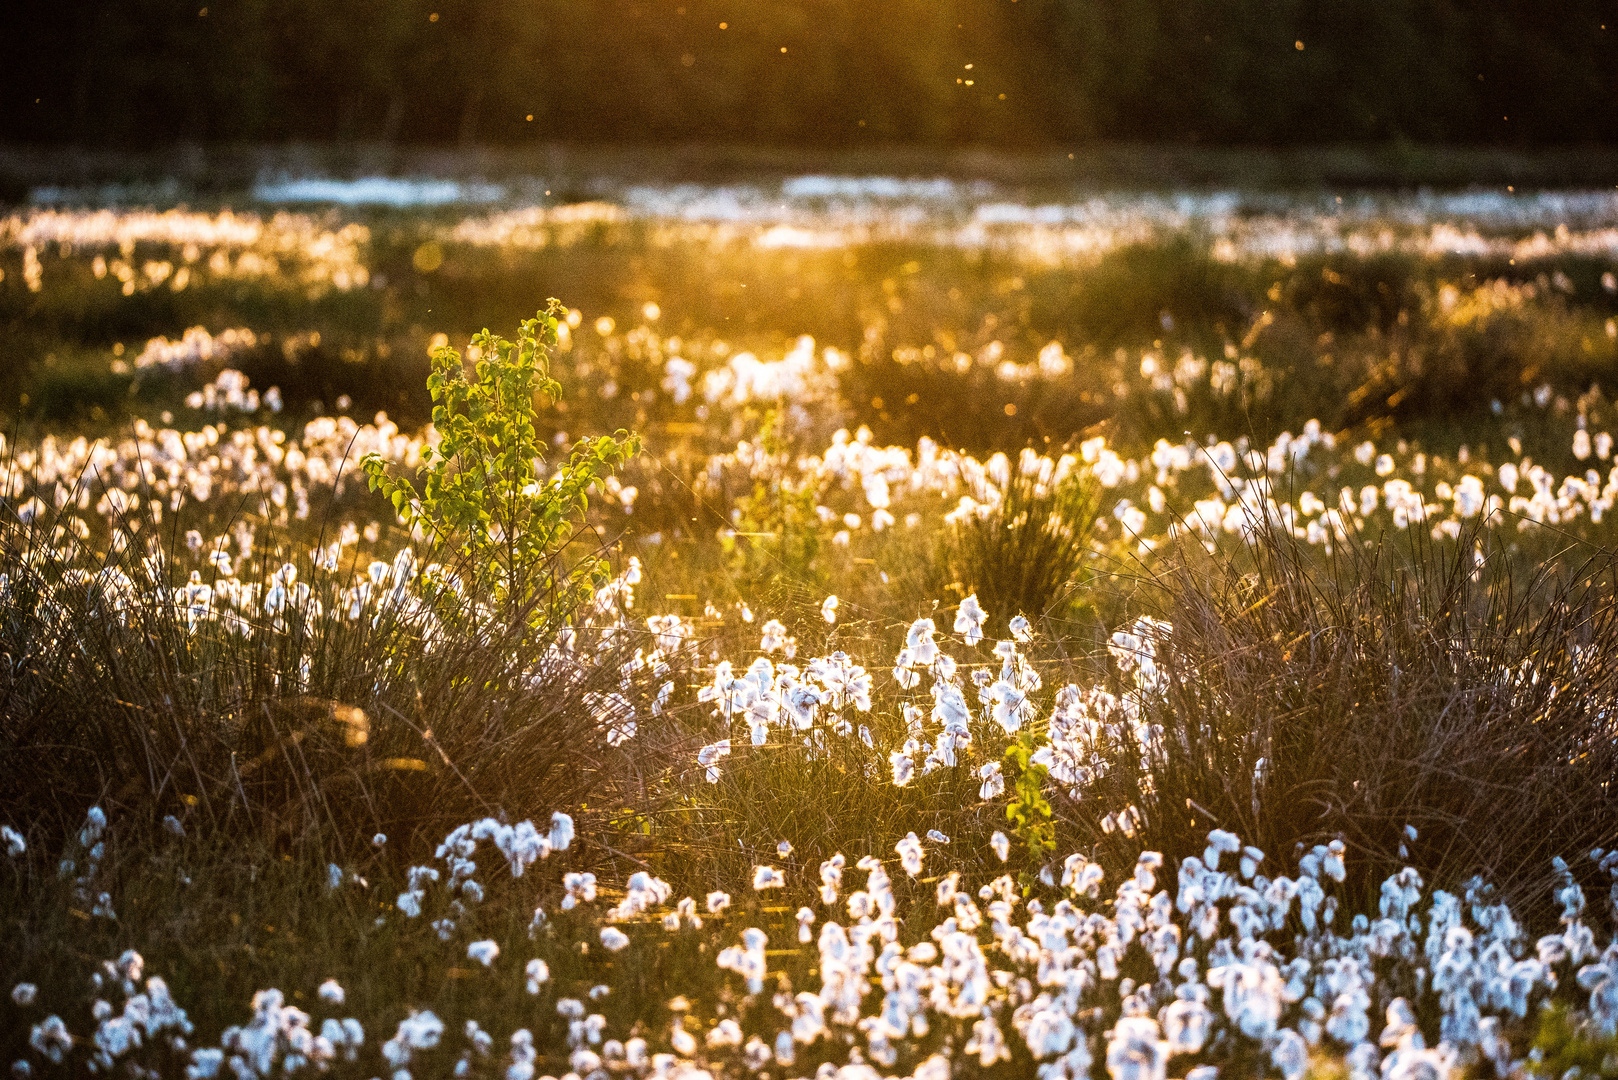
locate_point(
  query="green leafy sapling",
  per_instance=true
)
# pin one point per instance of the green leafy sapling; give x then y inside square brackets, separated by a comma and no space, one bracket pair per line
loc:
[486,493]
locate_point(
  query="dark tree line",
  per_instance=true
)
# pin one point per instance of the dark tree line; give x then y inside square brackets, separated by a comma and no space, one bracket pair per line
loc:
[830,73]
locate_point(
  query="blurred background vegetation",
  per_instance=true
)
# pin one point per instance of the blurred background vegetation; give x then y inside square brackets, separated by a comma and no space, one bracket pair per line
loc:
[811,73]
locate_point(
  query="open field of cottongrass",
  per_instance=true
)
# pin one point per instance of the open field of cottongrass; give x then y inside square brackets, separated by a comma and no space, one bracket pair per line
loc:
[925,628]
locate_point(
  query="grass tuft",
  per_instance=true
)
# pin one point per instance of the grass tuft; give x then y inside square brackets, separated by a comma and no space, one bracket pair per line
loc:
[1401,683]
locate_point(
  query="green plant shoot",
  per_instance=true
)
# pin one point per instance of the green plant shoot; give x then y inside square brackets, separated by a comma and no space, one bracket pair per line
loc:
[779,516]
[1028,810]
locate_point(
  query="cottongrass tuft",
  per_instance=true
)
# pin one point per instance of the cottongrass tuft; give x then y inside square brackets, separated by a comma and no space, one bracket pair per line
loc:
[1384,690]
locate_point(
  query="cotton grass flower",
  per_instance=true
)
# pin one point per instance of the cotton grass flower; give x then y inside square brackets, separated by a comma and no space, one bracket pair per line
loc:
[1001,845]
[581,888]
[773,637]
[537,973]
[993,782]
[767,877]
[684,914]
[51,1038]
[1009,706]
[1186,1024]
[969,619]
[1125,822]
[484,952]
[420,1031]
[831,878]
[747,960]
[920,646]
[910,854]
[1220,842]
[95,824]
[1134,1050]
[331,992]
[828,609]
[614,939]
[641,892]
[561,835]
[1290,1055]
[725,1034]
[709,756]
[903,765]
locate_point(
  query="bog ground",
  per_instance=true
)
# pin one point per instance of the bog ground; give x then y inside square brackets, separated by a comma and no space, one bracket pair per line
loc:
[901,626]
